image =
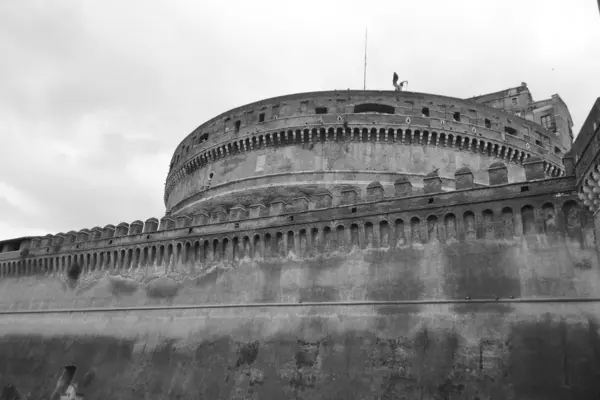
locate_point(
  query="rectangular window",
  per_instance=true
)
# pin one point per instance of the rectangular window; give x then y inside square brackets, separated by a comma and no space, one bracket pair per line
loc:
[547,121]
[237,126]
[261,117]
[321,110]
[539,143]
[488,123]
[456,116]
[514,101]
[510,131]
[556,150]
[425,112]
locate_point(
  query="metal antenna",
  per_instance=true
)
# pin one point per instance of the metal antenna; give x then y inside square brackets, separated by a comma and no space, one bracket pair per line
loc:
[365,77]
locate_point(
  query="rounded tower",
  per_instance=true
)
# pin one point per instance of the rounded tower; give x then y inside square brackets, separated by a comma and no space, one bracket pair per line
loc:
[292,146]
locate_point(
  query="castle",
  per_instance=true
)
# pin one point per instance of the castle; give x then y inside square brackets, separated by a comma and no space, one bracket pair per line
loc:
[342,244]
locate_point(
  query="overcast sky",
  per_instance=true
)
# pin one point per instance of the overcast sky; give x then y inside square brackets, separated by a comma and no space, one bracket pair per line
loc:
[95,96]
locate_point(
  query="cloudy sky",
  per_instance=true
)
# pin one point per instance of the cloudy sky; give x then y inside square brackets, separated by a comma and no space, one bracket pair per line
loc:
[96,95]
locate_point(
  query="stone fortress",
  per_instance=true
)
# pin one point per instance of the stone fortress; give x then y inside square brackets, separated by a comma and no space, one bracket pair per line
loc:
[343,244]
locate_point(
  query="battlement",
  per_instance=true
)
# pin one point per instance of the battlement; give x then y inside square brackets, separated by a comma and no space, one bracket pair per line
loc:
[128,244]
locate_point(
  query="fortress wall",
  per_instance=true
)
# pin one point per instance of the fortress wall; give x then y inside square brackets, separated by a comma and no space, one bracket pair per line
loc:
[523,247]
[503,351]
[483,244]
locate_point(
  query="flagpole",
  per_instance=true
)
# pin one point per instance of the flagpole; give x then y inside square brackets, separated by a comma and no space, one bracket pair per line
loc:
[365,76]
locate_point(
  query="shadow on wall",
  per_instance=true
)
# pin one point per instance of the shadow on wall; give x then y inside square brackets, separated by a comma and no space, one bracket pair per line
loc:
[544,359]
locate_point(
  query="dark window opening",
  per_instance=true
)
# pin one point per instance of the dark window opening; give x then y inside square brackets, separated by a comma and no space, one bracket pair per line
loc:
[190,230]
[538,142]
[321,110]
[425,111]
[429,201]
[488,123]
[556,150]
[261,117]
[237,224]
[353,209]
[374,108]
[510,131]
[203,138]
[238,123]
[456,116]
[547,121]
[514,100]
[211,175]
[110,242]
[524,188]
[291,218]
[148,237]
[227,119]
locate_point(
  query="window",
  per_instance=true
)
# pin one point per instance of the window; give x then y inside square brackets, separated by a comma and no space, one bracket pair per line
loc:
[238,123]
[425,112]
[514,101]
[456,116]
[556,150]
[547,121]
[374,108]
[538,142]
[488,123]
[203,138]
[321,110]
[510,131]
[261,117]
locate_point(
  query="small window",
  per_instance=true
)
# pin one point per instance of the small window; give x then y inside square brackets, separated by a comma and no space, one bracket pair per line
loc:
[514,101]
[203,138]
[539,143]
[524,188]
[291,218]
[456,116]
[556,150]
[353,209]
[321,110]
[237,224]
[261,117]
[510,131]
[238,123]
[374,108]
[429,201]
[488,123]
[425,111]
[211,175]
[547,121]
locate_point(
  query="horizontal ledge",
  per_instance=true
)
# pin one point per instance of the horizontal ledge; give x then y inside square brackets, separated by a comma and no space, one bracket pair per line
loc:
[309,304]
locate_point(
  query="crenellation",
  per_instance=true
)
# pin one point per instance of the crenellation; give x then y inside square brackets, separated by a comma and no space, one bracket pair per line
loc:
[122,229]
[58,239]
[70,237]
[301,203]
[463,178]
[151,225]
[402,187]
[534,168]
[96,233]
[375,191]
[83,235]
[237,212]
[218,214]
[257,210]
[277,207]
[108,231]
[432,183]
[200,218]
[182,221]
[349,195]
[498,173]
[135,228]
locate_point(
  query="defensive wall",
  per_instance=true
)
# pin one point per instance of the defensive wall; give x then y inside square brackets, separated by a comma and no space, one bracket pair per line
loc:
[292,146]
[479,292]
[476,281]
